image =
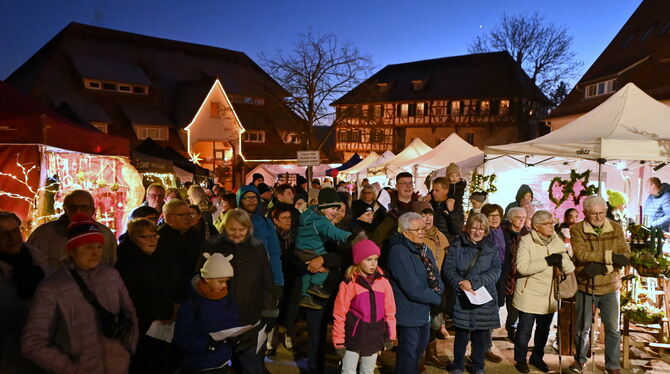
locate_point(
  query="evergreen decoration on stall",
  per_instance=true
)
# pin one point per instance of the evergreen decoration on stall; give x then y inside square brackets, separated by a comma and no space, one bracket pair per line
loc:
[482,183]
[568,188]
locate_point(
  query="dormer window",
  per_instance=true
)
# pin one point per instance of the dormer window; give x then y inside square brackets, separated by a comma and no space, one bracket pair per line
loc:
[599,89]
[383,86]
[417,85]
[291,138]
[128,88]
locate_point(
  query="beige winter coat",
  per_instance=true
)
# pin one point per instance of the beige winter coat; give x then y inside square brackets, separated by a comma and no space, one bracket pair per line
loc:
[534,291]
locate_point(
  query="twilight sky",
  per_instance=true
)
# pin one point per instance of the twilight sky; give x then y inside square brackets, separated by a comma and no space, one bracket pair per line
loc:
[391,31]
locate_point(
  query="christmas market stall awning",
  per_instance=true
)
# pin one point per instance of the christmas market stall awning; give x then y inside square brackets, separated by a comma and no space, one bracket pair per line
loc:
[150,157]
[25,121]
[361,166]
[452,149]
[630,125]
[355,159]
[271,171]
[414,150]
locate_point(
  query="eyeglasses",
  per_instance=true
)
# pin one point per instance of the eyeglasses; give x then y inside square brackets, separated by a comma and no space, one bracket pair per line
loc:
[182,215]
[416,230]
[545,224]
[596,214]
[473,229]
[148,236]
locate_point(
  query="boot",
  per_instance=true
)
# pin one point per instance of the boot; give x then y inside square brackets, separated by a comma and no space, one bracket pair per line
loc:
[308,301]
[318,291]
[432,359]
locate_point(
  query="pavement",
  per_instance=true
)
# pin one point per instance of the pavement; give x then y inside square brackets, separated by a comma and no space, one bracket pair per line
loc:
[643,360]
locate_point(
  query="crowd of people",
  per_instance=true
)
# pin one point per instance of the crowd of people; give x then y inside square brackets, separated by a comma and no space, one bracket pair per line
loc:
[228,275]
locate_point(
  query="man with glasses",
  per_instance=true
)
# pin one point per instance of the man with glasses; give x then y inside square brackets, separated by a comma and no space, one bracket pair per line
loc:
[51,237]
[22,267]
[600,251]
[178,239]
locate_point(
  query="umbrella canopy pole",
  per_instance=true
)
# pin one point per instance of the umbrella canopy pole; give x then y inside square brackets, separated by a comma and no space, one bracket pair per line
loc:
[601,162]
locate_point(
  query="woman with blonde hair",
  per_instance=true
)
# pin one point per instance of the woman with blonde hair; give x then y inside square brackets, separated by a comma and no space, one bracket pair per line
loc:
[198,196]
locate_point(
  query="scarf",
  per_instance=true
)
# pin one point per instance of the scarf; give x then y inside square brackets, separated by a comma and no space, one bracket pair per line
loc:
[499,238]
[431,271]
[26,275]
[209,294]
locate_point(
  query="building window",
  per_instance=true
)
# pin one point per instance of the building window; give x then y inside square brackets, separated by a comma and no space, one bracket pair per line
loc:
[253,136]
[503,107]
[383,87]
[109,86]
[470,138]
[142,90]
[456,107]
[248,100]
[214,109]
[292,138]
[417,85]
[101,126]
[629,40]
[95,85]
[259,101]
[484,107]
[377,136]
[153,132]
[402,110]
[599,89]
[355,136]
[125,88]
[377,111]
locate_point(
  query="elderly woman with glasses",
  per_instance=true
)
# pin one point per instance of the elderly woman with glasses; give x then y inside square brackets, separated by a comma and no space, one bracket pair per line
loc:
[153,282]
[473,263]
[538,257]
[416,283]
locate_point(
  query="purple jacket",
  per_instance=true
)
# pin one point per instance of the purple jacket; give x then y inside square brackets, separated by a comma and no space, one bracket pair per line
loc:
[62,335]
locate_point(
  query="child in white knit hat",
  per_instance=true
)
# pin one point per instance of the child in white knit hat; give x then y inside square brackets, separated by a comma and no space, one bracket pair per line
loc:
[208,308]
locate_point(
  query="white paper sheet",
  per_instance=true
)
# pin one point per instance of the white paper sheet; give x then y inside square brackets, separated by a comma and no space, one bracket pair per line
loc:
[159,331]
[235,331]
[482,296]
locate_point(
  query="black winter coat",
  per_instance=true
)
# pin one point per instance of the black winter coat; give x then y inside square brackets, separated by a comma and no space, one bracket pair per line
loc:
[153,282]
[184,249]
[449,223]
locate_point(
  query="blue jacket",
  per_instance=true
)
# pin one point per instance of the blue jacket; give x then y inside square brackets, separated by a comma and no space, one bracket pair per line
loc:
[657,208]
[407,275]
[485,272]
[197,317]
[264,230]
[315,229]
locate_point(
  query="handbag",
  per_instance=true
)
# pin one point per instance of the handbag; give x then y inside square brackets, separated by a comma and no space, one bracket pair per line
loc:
[566,284]
[113,326]
[451,296]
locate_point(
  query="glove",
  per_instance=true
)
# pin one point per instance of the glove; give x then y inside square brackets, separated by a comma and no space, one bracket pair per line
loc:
[269,323]
[388,345]
[278,293]
[213,345]
[340,352]
[593,269]
[555,259]
[619,260]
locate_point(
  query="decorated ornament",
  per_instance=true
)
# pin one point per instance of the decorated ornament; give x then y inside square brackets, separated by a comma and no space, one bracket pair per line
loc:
[483,183]
[568,188]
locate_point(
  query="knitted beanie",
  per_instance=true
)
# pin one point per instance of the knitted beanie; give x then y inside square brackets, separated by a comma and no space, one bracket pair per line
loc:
[216,266]
[420,207]
[359,207]
[616,198]
[83,230]
[263,188]
[364,249]
[453,168]
[478,196]
[256,176]
[329,198]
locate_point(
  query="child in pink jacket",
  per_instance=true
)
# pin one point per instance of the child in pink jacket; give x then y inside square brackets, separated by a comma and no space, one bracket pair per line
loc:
[364,312]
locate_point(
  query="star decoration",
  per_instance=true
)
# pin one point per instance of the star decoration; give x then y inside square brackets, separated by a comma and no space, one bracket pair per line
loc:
[195,158]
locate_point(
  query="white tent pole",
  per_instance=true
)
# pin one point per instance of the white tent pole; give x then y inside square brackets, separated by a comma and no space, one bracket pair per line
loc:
[601,161]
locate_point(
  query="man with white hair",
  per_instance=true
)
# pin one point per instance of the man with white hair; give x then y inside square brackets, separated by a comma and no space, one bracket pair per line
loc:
[600,251]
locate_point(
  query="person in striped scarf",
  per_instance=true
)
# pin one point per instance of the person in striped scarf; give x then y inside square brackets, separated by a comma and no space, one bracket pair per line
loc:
[513,229]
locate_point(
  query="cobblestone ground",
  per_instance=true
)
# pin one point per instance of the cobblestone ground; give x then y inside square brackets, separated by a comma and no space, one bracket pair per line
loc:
[643,361]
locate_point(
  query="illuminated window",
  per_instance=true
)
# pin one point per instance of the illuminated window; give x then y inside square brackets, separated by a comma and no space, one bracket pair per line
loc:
[455,107]
[101,126]
[153,132]
[383,87]
[377,111]
[292,138]
[599,89]
[484,107]
[253,136]
[94,85]
[214,109]
[402,110]
[503,107]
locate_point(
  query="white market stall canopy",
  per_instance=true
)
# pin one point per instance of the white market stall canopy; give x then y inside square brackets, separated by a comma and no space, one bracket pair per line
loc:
[452,149]
[384,158]
[271,171]
[361,166]
[414,150]
[630,125]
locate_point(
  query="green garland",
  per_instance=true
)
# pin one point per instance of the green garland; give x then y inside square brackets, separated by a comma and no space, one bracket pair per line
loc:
[482,183]
[568,188]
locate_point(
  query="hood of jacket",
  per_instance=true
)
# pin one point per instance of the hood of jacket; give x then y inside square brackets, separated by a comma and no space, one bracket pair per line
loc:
[245,189]
[311,215]
[522,191]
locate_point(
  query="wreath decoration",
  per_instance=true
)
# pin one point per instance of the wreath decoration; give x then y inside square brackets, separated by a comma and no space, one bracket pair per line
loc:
[568,188]
[483,183]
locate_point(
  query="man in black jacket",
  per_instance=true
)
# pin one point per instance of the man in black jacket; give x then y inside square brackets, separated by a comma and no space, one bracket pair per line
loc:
[447,219]
[178,239]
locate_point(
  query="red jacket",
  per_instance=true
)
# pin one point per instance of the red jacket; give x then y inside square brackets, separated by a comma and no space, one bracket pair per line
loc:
[364,314]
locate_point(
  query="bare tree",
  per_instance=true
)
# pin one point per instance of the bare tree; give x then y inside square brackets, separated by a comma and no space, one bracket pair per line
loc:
[317,71]
[541,48]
